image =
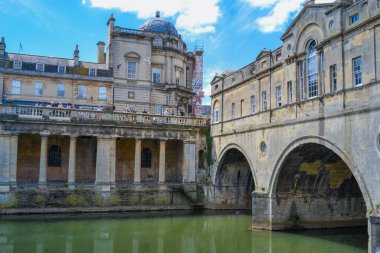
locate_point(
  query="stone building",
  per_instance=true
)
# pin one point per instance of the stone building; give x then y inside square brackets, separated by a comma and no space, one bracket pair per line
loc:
[122,121]
[300,124]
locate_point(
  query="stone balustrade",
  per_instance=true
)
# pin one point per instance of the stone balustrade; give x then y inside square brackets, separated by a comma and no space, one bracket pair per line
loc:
[71,114]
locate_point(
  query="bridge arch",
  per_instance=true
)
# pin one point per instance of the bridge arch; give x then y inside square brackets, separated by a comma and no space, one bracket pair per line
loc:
[314,168]
[233,179]
[330,145]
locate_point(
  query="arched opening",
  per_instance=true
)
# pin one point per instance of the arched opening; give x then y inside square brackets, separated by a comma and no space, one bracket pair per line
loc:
[312,69]
[315,188]
[216,112]
[234,181]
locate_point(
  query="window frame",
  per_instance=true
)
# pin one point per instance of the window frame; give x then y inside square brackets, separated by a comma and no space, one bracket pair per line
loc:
[253,104]
[354,18]
[233,110]
[40,67]
[278,96]
[155,73]
[312,70]
[38,89]
[264,103]
[146,158]
[84,95]
[301,71]
[14,81]
[102,95]
[333,78]
[17,64]
[55,156]
[92,72]
[131,73]
[216,115]
[290,92]
[61,67]
[60,90]
[357,72]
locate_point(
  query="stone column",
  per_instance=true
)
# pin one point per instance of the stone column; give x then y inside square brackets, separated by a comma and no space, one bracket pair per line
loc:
[189,162]
[103,161]
[112,160]
[13,161]
[137,177]
[72,159]
[161,170]
[43,159]
[374,233]
[5,146]
[261,211]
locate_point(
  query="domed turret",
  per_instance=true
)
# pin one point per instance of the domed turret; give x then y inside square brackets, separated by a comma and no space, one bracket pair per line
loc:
[160,25]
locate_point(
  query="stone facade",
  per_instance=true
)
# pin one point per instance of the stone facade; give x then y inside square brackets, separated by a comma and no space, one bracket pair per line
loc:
[115,129]
[305,119]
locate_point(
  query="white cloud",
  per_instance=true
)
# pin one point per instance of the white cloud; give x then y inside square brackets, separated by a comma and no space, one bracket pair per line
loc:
[281,11]
[192,16]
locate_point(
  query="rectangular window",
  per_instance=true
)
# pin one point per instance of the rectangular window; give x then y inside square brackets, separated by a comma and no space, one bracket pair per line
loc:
[233,110]
[61,69]
[102,93]
[92,72]
[40,67]
[278,57]
[264,101]
[156,75]
[16,87]
[333,78]
[81,91]
[278,96]
[159,109]
[252,104]
[60,90]
[131,94]
[354,18]
[263,64]
[357,70]
[38,86]
[302,79]
[290,92]
[132,69]
[178,77]
[216,115]
[17,65]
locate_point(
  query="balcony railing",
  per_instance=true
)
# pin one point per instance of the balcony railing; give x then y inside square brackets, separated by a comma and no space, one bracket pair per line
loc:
[93,116]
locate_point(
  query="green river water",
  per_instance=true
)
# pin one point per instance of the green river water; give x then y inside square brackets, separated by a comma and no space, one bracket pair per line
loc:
[167,234]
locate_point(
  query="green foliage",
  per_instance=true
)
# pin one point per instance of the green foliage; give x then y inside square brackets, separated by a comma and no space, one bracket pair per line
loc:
[207,155]
[75,200]
[11,203]
[133,199]
[162,199]
[40,200]
[99,200]
[115,200]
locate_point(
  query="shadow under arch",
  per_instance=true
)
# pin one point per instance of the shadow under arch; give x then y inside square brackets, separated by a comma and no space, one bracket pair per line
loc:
[309,141]
[233,179]
[222,156]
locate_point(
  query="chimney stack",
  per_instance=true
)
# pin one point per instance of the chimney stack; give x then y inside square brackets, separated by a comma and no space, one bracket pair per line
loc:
[101,54]
[76,56]
[2,48]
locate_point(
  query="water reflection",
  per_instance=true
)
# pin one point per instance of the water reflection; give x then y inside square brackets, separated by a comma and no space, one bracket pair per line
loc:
[190,234]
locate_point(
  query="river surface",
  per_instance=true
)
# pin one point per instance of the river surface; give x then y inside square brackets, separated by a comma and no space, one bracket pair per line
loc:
[169,234]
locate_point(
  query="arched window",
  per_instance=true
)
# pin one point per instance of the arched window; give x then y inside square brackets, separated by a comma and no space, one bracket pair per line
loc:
[146,158]
[54,156]
[312,69]
[216,112]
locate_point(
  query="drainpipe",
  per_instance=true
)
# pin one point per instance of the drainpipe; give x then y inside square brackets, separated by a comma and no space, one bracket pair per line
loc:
[343,61]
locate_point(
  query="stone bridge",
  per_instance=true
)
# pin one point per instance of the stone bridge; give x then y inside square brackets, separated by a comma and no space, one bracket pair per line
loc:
[312,164]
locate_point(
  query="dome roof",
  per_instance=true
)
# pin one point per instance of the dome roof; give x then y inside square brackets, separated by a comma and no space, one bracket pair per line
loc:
[160,25]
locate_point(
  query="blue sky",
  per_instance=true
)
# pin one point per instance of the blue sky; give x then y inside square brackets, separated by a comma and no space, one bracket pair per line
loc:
[232,32]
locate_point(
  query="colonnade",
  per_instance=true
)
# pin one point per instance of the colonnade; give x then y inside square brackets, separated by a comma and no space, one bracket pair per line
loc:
[105,161]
